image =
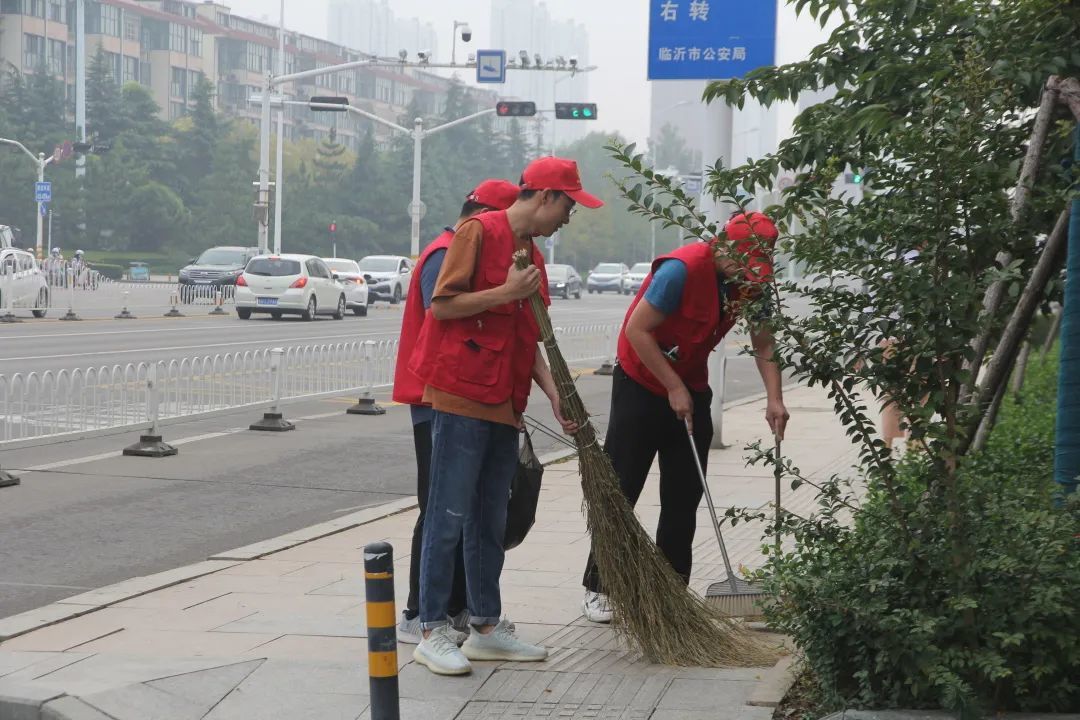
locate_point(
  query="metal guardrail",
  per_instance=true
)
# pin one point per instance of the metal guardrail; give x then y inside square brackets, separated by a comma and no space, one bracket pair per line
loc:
[37,408]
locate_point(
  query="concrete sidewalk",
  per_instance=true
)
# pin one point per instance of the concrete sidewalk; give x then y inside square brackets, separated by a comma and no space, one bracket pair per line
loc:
[276,630]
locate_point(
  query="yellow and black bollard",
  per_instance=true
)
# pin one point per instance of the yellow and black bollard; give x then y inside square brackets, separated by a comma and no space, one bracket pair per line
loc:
[382,633]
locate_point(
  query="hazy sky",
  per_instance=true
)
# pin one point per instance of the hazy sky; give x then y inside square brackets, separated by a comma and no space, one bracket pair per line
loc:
[618,35]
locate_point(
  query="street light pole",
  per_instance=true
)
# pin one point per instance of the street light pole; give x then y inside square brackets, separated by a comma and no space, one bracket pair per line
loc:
[262,204]
[40,161]
[279,175]
[414,206]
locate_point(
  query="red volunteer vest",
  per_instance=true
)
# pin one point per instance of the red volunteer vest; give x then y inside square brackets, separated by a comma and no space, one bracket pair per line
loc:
[408,388]
[487,357]
[696,327]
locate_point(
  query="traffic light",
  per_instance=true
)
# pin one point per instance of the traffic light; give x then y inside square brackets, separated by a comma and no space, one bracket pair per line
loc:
[340,102]
[575,111]
[515,109]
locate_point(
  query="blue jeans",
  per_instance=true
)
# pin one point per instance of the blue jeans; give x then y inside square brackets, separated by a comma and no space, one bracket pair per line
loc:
[472,465]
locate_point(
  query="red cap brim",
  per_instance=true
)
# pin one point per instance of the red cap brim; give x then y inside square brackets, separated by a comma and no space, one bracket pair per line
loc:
[583,198]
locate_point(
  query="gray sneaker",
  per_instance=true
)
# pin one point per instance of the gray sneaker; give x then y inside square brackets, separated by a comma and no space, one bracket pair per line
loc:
[441,655]
[502,644]
[460,623]
[410,633]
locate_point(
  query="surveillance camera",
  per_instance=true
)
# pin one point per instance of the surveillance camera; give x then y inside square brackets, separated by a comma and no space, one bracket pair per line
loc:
[472,58]
[466,33]
[573,61]
[539,60]
[424,55]
[403,55]
[524,55]
[560,61]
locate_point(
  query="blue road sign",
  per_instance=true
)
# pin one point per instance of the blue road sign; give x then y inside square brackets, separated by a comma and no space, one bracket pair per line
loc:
[43,191]
[692,184]
[710,39]
[490,66]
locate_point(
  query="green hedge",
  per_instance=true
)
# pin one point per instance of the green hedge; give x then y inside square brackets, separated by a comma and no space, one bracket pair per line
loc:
[113,272]
[887,613]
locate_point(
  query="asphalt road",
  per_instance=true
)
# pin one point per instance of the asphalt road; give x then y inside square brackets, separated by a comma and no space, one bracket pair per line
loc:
[50,344]
[93,518]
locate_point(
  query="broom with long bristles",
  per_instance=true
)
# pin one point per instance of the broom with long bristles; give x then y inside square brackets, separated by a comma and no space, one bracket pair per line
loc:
[654,610]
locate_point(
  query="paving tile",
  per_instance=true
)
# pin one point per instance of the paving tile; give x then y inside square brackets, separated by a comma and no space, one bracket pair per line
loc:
[344,677]
[309,604]
[285,623]
[265,567]
[206,688]
[170,643]
[69,708]
[52,662]
[104,672]
[417,682]
[308,647]
[25,662]
[283,703]
[412,709]
[68,634]
[137,702]
[684,694]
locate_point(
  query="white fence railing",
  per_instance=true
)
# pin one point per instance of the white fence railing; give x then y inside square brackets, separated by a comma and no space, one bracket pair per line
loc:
[41,407]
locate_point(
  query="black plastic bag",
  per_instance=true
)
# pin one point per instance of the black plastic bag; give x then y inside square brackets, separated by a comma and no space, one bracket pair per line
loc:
[524,496]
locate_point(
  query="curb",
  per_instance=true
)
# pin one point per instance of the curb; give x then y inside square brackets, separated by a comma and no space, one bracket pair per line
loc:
[774,683]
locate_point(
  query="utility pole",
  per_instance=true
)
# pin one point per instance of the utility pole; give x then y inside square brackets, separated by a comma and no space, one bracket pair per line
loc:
[80,82]
[279,177]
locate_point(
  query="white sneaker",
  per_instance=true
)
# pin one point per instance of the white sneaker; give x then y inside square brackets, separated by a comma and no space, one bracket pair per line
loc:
[410,633]
[441,655]
[596,607]
[501,644]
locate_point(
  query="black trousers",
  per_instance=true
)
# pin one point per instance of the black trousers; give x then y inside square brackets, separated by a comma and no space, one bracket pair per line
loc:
[422,442]
[642,425]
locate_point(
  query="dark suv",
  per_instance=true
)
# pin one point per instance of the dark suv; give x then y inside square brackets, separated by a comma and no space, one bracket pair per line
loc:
[216,269]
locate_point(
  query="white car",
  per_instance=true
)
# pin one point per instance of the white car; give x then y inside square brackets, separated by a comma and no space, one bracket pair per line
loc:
[637,276]
[24,280]
[356,288]
[387,276]
[289,284]
[609,276]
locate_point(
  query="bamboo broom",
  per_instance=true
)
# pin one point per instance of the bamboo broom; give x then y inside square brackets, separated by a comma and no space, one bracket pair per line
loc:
[655,612]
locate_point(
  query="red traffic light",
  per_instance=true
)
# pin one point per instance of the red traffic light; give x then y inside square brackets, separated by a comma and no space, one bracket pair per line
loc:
[515,109]
[333,227]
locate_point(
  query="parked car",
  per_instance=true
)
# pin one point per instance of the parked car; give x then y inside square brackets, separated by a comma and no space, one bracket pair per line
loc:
[348,274]
[215,269]
[289,284]
[138,272]
[387,276]
[609,276]
[563,281]
[637,276]
[21,276]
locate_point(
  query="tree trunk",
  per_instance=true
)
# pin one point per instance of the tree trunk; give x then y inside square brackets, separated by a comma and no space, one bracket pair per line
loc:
[1020,322]
[1052,333]
[1020,370]
[1032,160]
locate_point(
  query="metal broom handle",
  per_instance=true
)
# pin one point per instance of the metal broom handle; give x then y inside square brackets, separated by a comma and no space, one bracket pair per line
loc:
[712,508]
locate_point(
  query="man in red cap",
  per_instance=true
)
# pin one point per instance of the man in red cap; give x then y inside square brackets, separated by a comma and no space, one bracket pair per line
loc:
[477,355]
[409,389]
[660,386]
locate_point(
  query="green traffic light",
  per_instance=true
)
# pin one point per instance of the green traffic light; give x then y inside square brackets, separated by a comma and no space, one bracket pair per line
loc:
[856,178]
[586,112]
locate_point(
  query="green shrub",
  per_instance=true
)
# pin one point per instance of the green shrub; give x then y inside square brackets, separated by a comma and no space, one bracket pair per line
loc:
[113,272]
[890,614]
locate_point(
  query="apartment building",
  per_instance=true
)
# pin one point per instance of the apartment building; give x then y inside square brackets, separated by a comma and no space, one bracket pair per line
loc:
[166,44]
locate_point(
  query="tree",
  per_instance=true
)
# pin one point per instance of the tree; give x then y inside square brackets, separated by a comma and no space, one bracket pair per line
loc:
[104,113]
[669,150]
[934,104]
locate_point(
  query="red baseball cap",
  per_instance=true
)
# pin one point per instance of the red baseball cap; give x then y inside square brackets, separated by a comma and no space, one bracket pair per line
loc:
[751,231]
[554,173]
[495,194]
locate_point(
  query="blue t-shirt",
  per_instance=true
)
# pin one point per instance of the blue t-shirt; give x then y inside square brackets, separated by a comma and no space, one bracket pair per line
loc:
[429,275]
[666,289]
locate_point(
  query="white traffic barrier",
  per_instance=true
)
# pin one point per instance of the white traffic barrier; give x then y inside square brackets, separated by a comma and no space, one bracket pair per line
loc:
[174,300]
[219,299]
[125,314]
[611,342]
[9,296]
[272,420]
[70,315]
[150,444]
[366,405]
[39,407]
